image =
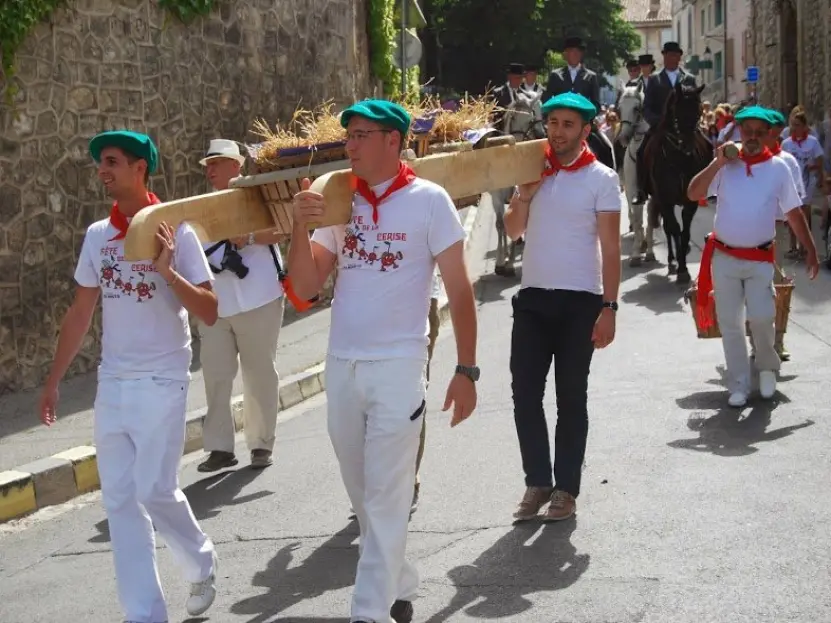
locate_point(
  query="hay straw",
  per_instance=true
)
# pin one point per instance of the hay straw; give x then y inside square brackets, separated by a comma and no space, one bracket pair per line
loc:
[473,114]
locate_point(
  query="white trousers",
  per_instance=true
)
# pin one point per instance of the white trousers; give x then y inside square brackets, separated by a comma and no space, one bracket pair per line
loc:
[248,340]
[375,420]
[139,439]
[744,289]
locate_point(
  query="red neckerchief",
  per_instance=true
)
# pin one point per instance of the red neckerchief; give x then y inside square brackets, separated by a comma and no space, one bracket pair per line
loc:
[749,161]
[585,158]
[704,303]
[799,138]
[120,222]
[777,149]
[405,176]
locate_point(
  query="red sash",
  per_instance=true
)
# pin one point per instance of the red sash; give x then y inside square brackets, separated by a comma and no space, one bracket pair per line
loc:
[704,311]
[120,222]
[404,177]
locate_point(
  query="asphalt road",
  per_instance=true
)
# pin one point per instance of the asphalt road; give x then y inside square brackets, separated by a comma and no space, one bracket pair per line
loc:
[691,513]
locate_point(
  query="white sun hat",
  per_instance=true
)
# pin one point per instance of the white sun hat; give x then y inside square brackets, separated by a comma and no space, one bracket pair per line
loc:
[223,148]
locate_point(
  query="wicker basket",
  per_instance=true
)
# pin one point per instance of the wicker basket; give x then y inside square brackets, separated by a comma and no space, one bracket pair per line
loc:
[784,292]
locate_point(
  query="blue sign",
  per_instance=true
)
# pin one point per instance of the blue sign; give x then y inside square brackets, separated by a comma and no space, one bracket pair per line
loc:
[752,74]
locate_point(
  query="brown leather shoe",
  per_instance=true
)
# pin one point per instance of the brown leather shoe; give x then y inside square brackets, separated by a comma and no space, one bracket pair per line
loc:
[217,460]
[563,506]
[533,500]
[260,459]
[402,611]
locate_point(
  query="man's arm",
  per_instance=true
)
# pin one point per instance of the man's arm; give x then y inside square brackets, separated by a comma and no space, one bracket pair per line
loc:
[515,218]
[652,116]
[74,327]
[310,263]
[459,290]
[700,185]
[608,230]
[799,225]
[198,299]
[188,275]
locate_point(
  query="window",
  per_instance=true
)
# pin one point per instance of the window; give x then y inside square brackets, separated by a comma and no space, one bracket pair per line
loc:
[718,65]
[666,35]
[719,10]
[709,16]
[703,22]
[689,30]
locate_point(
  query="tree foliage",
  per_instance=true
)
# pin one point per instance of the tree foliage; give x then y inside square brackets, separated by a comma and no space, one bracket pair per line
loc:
[470,42]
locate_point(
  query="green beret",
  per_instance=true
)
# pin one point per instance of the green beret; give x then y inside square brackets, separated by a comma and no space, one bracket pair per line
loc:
[755,112]
[388,114]
[133,143]
[777,117]
[572,101]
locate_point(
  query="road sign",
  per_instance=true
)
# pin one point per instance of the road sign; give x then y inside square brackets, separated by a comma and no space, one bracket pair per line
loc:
[752,74]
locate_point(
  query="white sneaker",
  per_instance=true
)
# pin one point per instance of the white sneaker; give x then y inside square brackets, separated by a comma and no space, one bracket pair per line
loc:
[767,383]
[202,594]
[737,399]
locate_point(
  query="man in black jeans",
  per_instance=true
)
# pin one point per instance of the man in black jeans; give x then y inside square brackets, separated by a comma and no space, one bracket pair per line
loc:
[566,304]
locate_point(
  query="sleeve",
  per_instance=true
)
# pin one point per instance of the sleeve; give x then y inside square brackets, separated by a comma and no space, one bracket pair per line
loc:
[445,228]
[86,275]
[190,260]
[796,176]
[788,195]
[596,92]
[325,237]
[816,150]
[652,117]
[712,191]
[609,198]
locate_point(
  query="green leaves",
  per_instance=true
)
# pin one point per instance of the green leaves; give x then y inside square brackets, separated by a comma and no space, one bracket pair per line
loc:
[382,32]
[187,10]
[17,19]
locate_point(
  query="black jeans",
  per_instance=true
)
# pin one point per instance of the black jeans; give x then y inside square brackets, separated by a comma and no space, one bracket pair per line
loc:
[552,324]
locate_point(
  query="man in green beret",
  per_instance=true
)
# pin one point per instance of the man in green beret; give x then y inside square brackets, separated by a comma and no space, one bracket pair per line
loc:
[143,379]
[401,228]
[566,304]
[737,265]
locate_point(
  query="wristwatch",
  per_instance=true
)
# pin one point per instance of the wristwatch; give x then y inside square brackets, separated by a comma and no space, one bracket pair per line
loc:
[610,305]
[251,239]
[471,372]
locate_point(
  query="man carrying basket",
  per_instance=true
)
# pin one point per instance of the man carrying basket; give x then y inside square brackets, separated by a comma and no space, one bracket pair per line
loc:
[737,265]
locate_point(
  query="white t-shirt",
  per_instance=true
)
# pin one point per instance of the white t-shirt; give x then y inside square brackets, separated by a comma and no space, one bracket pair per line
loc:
[259,287]
[747,207]
[146,330]
[562,247]
[382,293]
[796,172]
[805,155]
[730,132]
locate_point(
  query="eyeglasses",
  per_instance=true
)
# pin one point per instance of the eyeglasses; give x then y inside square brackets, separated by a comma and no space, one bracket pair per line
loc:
[362,135]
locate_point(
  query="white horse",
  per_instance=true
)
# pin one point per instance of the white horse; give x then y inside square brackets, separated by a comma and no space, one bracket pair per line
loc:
[632,130]
[523,121]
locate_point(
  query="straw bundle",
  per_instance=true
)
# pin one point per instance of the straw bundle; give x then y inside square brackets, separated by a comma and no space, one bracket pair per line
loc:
[472,114]
[305,129]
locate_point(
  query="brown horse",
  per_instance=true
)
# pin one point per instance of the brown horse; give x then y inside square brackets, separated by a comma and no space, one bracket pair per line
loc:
[675,154]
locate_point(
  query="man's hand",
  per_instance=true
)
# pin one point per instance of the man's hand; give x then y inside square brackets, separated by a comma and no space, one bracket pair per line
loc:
[461,393]
[812,265]
[308,205]
[527,191]
[48,403]
[240,242]
[164,261]
[721,157]
[603,333]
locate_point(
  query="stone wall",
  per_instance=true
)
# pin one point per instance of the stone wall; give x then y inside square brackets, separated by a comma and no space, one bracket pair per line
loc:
[108,64]
[792,46]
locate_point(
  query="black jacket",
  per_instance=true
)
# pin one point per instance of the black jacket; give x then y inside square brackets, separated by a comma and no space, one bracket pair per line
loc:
[502,97]
[658,88]
[586,84]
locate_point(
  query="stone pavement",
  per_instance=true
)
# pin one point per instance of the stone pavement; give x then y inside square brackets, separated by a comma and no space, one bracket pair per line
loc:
[691,512]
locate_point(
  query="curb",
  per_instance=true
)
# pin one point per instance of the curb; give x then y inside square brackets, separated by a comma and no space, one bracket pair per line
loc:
[66,475]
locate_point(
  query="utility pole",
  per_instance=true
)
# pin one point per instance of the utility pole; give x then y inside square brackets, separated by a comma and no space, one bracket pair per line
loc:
[726,51]
[401,47]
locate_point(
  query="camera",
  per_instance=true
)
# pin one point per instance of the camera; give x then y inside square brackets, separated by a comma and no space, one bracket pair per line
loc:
[232,260]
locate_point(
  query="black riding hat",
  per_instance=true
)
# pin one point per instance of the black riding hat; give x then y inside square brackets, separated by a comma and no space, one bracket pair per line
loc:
[672,46]
[632,64]
[574,42]
[516,69]
[646,59]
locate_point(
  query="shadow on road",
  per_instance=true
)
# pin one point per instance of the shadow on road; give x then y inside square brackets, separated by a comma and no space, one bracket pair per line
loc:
[659,294]
[208,496]
[329,567]
[490,287]
[501,579]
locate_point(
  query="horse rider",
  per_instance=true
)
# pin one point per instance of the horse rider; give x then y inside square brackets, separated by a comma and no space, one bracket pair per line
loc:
[530,84]
[505,95]
[737,265]
[657,92]
[647,65]
[634,71]
[577,79]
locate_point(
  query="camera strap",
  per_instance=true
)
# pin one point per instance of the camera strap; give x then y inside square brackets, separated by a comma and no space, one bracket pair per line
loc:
[298,304]
[210,250]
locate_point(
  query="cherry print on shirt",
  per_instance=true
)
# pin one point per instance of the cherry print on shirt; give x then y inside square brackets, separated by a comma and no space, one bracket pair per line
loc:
[390,259]
[144,289]
[350,242]
[110,272]
[372,256]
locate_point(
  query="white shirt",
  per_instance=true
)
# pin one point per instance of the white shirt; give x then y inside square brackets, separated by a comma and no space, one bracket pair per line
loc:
[382,293]
[145,327]
[259,287]
[573,72]
[747,207]
[672,75]
[562,247]
[805,154]
[730,132]
[796,173]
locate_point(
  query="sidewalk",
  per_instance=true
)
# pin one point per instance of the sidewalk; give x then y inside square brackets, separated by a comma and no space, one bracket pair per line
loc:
[42,466]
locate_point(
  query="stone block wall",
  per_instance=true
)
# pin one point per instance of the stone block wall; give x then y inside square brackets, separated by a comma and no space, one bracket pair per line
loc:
[109,64]
[809,46]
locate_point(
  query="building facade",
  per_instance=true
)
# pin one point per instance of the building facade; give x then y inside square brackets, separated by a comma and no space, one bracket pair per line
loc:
[651,19]
[790,42]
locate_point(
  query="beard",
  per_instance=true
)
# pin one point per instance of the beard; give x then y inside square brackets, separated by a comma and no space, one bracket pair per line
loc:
[566,149]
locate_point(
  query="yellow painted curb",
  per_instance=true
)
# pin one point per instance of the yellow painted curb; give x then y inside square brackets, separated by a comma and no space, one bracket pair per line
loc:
[17,495]
[85,466]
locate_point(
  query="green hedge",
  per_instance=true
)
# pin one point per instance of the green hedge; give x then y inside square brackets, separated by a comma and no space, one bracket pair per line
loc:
[382,32]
